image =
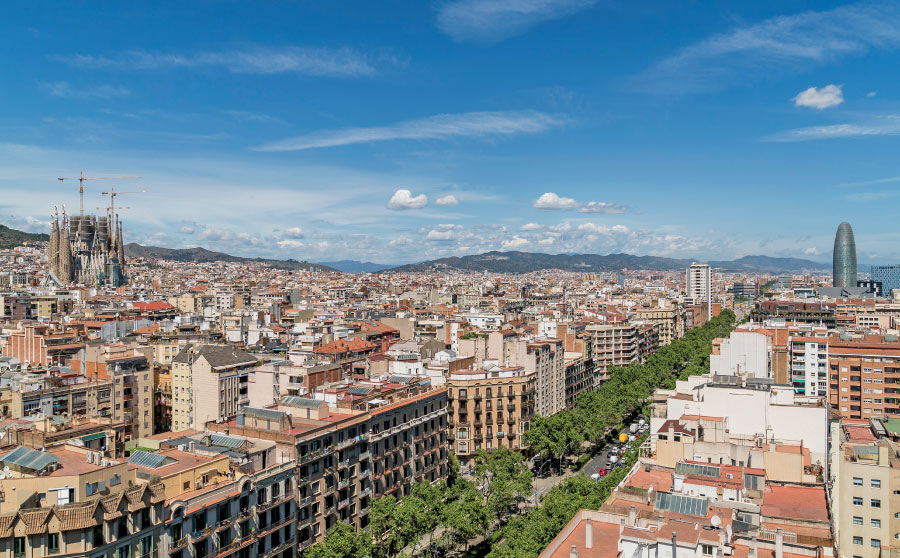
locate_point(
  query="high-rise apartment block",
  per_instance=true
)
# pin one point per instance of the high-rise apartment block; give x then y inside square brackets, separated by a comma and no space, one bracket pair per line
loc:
[888,276]
[698,282]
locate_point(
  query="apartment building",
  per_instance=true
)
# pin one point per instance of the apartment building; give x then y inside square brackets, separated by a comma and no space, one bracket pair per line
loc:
[865,480]
[620,344]
[865,376]
[374,439]
[698,282]
[209,382]
[809,365]
[37,345]
[72,502]
[670,321]
[489,408]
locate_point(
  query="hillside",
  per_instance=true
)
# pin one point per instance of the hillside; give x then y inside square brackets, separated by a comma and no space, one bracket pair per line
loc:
[11,238]
[524,262]
[355,266]
[202,255]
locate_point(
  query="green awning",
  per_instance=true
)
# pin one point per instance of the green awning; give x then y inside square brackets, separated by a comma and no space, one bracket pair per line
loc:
[96,436]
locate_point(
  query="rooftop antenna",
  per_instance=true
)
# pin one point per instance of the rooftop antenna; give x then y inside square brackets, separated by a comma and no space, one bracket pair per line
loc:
[81,178]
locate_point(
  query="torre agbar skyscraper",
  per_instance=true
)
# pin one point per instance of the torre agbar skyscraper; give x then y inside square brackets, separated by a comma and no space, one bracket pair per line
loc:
[844,265]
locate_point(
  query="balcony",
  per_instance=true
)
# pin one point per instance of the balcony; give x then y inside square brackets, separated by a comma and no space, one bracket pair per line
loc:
[330,510]
[363,512]
[197,536]
[274,502]
[343,484]
[351,441]
[344,464]
[364,455]
[314,455]
[343,503]
[409,424]
[178,545]
[278,549]
[224,524]
[363,474]
[303,502]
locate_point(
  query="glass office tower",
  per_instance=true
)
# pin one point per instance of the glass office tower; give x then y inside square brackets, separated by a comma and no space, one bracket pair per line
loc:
[844,265]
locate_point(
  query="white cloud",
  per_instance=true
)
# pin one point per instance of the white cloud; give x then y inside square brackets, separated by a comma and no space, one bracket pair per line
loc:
[550,200]
[490,21]
[820,98]
[449,199]
[514,242]
[601,207]
[793,41]
[871,93]
[547,241]
[341,62]
[66,90]
[290,243]
[531,227]
[403,199]
[293,232]
[872,196]
[602,229]
[438,127]
[435,234]
[812,251]
[186,230]
[888,125]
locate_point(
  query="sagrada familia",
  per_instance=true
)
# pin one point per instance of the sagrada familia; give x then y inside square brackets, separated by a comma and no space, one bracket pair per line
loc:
[86,249]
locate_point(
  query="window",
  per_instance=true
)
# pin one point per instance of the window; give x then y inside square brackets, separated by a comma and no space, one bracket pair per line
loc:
[875,503]
[706,549]
[857,541]
[857,481]
[876,523]
[53,543]
[857,501]
[857,520]
[876,483]
[876,543]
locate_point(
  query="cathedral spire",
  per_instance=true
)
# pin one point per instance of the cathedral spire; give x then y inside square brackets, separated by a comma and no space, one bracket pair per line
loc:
[65,251]
[53,250]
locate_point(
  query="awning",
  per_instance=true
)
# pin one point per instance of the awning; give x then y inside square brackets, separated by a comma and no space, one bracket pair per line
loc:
[95,436]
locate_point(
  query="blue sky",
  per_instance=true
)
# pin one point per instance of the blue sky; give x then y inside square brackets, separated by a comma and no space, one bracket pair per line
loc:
[399,131]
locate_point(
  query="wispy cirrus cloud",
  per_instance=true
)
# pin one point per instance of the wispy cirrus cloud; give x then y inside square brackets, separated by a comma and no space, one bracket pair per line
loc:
[885,180]
[312,61]
[886,125]
[439,127]
[491,21]
[785,41]
[872,196]
[66,90]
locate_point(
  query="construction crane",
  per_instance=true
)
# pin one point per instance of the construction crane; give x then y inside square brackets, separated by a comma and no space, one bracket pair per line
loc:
[81,178]
[112,199]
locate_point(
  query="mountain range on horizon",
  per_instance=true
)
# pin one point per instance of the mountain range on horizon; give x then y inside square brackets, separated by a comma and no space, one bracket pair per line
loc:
[493,262]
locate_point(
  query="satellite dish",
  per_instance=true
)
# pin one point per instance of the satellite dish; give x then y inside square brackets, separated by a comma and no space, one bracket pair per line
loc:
[716,521]
[2,476]
[6,469]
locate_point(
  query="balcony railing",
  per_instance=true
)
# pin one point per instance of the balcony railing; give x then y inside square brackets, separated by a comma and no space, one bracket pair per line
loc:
[343,503]
[201,534]
[406,425]
[224,523]
[314,455]
[274,502]
[364,455]
[178,545]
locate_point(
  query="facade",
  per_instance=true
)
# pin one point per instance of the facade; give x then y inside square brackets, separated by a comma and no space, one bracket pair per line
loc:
[865,479]
[670,321]
[888,276]
[489,408]
[698,283]
[620,344]
[809,366]
[865,377]
[742,353]
[209,382]
[86,249]
[844,258]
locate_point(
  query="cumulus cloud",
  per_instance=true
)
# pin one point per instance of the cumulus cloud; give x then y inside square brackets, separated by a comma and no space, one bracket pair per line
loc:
[515,242]
[290,243]
[531,227]
[449,199]
[186,230]
[601,207]
[820,98]
[602,229]
[403,199]
[812,251]
[440,234]
[293,232]
[550,200]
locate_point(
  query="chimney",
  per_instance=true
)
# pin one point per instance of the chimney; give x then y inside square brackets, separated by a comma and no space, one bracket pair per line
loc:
[779,544]
[632,516]
[574,552]
[588,534]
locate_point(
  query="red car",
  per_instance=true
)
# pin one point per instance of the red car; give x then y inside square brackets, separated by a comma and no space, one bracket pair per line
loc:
[602,472]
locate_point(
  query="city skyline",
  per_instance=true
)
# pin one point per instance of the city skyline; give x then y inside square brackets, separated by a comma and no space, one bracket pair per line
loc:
[410,132]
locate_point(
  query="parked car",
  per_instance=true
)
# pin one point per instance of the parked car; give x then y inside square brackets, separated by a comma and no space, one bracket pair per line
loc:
[602,472]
